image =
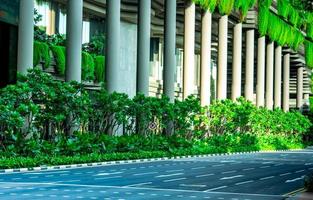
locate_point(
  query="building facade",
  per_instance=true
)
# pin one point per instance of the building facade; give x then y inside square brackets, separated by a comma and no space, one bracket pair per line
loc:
[172,47]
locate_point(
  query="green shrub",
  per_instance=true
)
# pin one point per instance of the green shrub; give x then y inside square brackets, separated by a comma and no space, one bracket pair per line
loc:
[88,66]
[41,53]
[99,68]
[59,56]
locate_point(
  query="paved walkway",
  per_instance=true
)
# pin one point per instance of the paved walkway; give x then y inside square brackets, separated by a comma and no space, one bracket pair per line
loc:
[242,176]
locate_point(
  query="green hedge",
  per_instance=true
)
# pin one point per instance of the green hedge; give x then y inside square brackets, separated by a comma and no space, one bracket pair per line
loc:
[41,53]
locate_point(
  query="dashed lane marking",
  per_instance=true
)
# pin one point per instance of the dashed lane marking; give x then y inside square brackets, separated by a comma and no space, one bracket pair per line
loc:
[217,188]
[168,175]
[245,182]
[231,177]
[176,179]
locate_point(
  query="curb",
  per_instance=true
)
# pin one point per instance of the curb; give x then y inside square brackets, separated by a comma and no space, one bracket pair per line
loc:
[97,164]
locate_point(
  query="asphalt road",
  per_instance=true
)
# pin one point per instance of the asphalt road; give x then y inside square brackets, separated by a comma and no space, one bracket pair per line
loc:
[242,176]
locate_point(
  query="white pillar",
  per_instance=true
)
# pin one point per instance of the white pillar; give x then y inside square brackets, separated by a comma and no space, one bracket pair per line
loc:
[286,82]
[269,75]
[278,76]
[237,61]
[25,36]
[300,87]
[143,49]
[189,49]
[260,73]
[169,49]
[222,58]
[74,40]
[249,66]
[113,44]
[206,31]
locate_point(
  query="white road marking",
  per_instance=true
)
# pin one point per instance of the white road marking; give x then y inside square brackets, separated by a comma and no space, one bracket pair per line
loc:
[107,174]
[245,182]
[293,180]
[175,170]
[217,188]
[168,175]
[263,167]
[231,177]
[228,172]
[248,169]
[146,173]
[176,179]
[139,184]
[299,171]
[191,185]
[204,175]
[110,177]
[218,165]
[308,164]
[285,174]
[278,164]
[269,177]
[195,168]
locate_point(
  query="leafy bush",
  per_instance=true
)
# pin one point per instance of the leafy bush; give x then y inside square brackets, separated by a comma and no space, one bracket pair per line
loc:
[88,66]
[59,56]
[42,116]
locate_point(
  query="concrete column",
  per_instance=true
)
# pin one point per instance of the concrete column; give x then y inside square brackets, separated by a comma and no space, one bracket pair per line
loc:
[143,49]
[300,87]
[278,77]
[189,49]
[222,58]
[205,71]
[169,49]
[269,75]
[236,75]
[74,40]
[113,44]
[249,65]
[25,36]
[260,73]
[286,79]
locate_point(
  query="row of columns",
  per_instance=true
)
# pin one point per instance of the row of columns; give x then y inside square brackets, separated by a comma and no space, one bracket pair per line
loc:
[265,56]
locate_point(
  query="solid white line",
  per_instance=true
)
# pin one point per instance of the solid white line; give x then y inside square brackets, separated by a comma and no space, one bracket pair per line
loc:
[146,173]
[176,179]
[269,177]
[204,175]
[168,175]
[231,177]
[217,188]
[138,184]
[245,182]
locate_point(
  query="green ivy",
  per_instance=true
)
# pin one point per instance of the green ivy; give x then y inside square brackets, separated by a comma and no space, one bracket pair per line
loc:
[265,3]
[263,18]
[88,66]
[226,6]
[243,6]
[59,56]
[278,30]
[309,53]
[207,4]
[41,53]
[99,68]
[309,31]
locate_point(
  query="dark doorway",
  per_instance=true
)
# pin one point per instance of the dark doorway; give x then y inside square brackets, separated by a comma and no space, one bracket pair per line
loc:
[8,54]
